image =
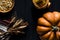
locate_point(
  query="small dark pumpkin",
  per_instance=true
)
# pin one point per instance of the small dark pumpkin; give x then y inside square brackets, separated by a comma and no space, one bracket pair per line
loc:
[41,3]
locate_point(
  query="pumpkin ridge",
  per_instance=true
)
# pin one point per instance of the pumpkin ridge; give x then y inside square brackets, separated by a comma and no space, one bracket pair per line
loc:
[50,17]
[42,33]
[51,36]
[47,34]
[43,27]
[56,17]
[57,35]
[42,21]
[47,20]
[57,23]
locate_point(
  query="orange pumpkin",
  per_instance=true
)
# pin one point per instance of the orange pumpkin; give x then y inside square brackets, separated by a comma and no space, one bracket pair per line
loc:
[48,26]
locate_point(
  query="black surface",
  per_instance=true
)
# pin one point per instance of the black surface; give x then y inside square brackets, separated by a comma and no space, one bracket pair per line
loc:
[26,10]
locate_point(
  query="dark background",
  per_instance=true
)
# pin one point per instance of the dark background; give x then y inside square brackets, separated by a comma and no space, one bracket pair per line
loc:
[26,10]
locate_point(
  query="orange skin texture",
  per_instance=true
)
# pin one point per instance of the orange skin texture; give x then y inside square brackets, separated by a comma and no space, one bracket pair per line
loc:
[45,23]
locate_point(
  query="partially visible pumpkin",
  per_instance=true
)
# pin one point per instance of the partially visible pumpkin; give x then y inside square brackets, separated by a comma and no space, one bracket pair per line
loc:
[41,3]
[48,26]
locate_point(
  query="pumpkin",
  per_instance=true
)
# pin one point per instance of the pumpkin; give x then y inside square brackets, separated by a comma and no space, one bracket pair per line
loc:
[48,27]
[41,3]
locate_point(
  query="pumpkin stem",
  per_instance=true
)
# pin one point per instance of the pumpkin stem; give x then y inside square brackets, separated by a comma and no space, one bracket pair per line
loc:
[54,28]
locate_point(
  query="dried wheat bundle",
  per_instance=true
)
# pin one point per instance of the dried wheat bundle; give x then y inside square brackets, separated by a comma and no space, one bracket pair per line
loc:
[15,26]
